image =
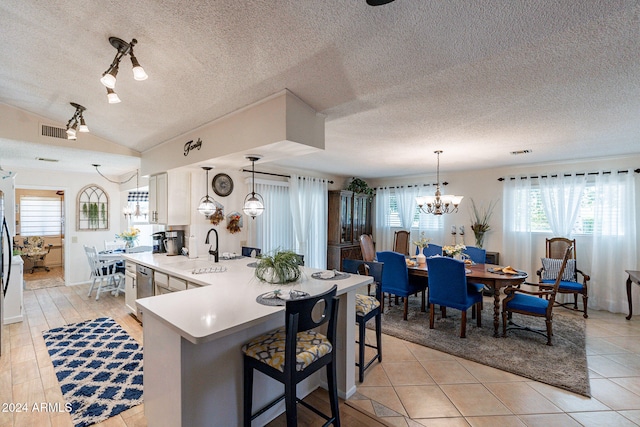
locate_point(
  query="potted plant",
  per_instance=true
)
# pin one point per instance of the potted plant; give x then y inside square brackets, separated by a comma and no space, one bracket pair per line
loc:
[480,220]
[360,186]
[281,267]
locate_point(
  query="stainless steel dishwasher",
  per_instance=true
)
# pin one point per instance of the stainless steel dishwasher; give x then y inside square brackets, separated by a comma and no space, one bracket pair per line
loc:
[144,286]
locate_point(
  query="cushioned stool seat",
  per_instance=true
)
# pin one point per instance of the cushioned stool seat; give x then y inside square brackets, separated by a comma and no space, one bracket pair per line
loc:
[365,303]
[269,348]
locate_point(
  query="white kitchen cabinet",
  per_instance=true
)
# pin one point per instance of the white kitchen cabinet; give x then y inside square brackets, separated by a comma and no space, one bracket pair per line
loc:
[130,291]
[161,283]
[170,198]
[176,284]
[13,300]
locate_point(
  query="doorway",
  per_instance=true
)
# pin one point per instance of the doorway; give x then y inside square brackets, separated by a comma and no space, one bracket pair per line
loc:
[41,213]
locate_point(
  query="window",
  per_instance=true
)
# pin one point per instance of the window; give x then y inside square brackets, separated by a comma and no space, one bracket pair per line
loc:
[420,220]
[584,222]
[40,216]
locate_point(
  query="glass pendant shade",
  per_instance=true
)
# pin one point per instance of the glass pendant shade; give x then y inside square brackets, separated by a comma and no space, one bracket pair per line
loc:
[138,71]
[112,97]
[83,126]
[109,78]
[207,205]
[253,205]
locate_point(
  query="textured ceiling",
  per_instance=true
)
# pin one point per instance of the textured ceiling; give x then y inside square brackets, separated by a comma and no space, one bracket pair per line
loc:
[477,79]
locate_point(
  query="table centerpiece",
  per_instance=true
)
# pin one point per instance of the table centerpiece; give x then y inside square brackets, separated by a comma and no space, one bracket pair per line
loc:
[130,236]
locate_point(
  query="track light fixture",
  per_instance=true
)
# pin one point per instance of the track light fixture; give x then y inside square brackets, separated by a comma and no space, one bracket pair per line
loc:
[253,203]
[207,205]
[76,123]
[109,77]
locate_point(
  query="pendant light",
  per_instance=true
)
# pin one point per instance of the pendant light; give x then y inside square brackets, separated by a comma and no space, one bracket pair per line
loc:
[438,204]
[207,205]
[253,203]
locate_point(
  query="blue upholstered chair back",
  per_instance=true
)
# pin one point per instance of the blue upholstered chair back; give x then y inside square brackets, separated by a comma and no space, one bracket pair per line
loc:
[447,282]
[395,276]
[430,250]
[477,255]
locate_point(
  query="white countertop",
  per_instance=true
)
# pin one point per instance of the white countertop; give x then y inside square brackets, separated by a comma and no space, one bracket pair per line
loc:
[226,302]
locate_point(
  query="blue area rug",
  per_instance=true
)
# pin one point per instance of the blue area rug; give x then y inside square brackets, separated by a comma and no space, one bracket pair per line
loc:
[99,368]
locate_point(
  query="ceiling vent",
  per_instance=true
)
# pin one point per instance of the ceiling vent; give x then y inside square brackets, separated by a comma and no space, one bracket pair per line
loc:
[515,153]
[53,132]
[44,159]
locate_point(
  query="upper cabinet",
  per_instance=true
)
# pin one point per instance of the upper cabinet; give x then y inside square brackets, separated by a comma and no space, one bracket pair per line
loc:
[349,217]
[169,198]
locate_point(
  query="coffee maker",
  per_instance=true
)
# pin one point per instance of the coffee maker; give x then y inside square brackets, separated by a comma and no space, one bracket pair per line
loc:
[173,242]
[158,242]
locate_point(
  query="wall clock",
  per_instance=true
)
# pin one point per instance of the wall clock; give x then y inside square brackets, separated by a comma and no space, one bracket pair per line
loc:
[222,184]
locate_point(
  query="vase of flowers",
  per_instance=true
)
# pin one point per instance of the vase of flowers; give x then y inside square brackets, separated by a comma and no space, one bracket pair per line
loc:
[421,244]
[130,236]
[480,220]
[454,251]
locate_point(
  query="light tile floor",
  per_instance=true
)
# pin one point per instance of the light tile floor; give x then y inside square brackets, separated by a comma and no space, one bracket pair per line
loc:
[417,386]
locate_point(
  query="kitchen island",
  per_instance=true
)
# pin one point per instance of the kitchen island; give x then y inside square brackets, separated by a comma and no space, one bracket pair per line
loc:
[193,339]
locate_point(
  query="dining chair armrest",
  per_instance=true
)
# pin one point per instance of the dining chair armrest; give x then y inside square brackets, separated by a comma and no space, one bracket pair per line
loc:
[585,277]
[49,246]
[539,273]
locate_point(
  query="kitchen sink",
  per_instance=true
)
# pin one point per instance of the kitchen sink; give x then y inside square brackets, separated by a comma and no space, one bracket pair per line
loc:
[193,264]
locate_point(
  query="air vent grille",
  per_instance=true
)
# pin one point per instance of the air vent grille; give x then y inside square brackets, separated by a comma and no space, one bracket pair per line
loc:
[53,132]
[515,153]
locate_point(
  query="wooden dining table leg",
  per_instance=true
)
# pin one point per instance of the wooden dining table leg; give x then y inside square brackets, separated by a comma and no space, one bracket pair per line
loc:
[496,310]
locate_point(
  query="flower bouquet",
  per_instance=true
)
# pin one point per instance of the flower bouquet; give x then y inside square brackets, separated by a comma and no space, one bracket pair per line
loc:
[454,251]
[423,242]
[130,236]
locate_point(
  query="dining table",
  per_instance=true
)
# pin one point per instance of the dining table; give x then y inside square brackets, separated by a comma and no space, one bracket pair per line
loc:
[489,275]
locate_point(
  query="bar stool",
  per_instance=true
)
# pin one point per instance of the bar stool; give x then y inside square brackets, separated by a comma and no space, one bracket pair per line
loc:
[367,307]
[292,353]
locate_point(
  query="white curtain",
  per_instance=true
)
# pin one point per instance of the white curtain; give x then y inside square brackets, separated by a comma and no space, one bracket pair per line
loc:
[274,228]
[383,235]
[308,199]
[406,199]
[516,240]
[614,242]
[561,197]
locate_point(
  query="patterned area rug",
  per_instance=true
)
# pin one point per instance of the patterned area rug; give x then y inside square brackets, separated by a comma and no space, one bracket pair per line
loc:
[562,365]
[99,368]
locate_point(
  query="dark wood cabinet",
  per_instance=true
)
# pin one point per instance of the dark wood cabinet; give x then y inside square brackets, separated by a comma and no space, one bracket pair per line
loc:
[349,217]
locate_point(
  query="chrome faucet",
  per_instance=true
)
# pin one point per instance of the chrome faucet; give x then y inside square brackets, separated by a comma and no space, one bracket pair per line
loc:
[215,252]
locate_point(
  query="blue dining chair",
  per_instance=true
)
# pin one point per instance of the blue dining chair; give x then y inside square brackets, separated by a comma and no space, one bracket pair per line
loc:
[448,288]
[536,304]
[477,255]
[395,279]
[430,250]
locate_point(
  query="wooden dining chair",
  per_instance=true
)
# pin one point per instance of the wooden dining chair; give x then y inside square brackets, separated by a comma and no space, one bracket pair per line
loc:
[569,284]
[401,242]
[536,304]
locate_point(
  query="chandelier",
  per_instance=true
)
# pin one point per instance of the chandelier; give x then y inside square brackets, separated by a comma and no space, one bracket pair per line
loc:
[438,204]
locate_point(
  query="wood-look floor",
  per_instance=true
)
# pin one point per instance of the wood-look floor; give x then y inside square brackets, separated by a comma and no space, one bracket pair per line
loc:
[27,375]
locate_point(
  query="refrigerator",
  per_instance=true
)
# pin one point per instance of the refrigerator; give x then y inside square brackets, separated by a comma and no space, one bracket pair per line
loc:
[6,255]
